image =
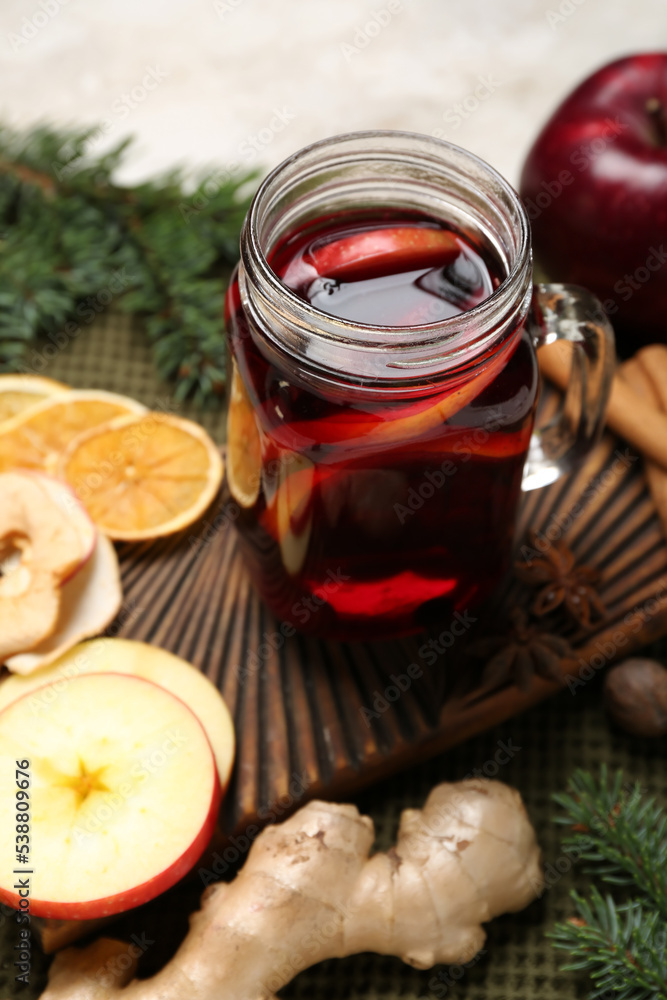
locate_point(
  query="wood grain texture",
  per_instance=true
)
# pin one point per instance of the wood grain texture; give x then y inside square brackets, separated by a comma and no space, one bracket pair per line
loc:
[322,718]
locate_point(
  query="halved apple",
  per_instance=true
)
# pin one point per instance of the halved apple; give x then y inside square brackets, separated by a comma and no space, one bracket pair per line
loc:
[135,659]
[123,796]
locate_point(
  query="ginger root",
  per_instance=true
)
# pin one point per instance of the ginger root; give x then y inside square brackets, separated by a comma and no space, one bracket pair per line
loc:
[309,891]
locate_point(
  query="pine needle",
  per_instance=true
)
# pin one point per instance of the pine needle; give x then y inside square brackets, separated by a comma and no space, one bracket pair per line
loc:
[622,835]
[72,242]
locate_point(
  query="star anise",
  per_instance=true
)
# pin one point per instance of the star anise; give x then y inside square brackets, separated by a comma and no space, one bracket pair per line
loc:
[525,650]
[563,582]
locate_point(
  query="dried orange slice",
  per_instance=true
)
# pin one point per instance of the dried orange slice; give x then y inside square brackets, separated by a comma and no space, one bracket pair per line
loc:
[244,456]
[19,393]
[143,477]
[36,439]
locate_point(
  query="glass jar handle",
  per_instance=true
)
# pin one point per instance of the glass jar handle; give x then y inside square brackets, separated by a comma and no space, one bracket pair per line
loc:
[567,312]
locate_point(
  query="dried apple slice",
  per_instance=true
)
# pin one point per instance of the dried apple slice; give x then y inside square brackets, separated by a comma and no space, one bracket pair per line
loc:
[39,548]
[89,602]
[29,608]
[138,659]
[27,512]
[67,502]
[244,456]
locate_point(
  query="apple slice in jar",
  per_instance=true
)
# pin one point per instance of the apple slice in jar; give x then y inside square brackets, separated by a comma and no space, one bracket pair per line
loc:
[367,433]
[137,659]
[384,251]
[288,517]
[122,799]
[475,441]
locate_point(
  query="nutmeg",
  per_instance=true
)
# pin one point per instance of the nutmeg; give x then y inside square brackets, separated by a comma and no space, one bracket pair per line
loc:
[635,697]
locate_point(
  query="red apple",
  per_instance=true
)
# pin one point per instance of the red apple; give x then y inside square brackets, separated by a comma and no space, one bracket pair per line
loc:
[595,189]
[121,800]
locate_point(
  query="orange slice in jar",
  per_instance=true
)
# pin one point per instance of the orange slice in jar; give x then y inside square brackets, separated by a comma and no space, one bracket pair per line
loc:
[387,251]
[244,453]
[19,393]
[37,438]
[143,477]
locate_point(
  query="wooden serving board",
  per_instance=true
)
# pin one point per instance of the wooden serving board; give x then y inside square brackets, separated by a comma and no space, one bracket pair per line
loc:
[316,718]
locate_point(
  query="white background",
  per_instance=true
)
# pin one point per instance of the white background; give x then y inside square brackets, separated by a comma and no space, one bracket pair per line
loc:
[226,70]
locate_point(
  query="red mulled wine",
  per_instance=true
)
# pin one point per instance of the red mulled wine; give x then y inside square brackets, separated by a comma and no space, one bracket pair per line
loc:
[371,513]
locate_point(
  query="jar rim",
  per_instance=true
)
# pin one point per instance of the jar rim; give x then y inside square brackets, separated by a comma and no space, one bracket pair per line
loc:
[412,343]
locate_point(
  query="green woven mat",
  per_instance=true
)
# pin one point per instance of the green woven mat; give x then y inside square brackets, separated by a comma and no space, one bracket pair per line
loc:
[563,733]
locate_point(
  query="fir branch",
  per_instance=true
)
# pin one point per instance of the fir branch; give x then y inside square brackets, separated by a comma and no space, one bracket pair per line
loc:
[622,945]
[621,833]
[68,234]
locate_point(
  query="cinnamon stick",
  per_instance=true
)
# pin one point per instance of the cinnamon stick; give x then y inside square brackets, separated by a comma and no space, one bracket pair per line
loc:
[653,361]
[630,415]
[635,374]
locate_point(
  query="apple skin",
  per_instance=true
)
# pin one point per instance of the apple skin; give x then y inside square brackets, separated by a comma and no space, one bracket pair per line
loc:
[595,188]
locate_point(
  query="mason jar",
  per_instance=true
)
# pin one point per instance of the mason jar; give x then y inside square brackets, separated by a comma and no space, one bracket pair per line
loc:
[379,466]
